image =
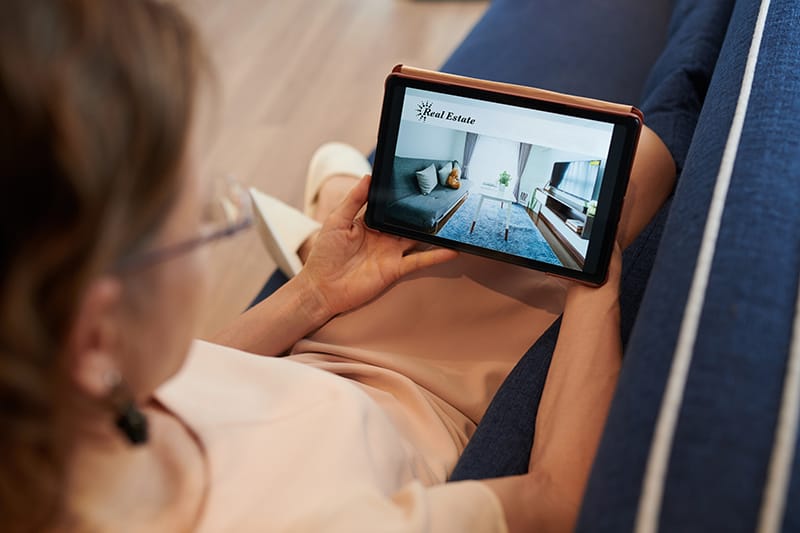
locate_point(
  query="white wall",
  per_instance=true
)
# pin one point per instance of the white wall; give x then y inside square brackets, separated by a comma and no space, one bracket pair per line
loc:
[491,157]
[540,166]
[424,141]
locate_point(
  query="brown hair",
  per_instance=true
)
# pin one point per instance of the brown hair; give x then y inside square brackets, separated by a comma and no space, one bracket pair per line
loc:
[96,100]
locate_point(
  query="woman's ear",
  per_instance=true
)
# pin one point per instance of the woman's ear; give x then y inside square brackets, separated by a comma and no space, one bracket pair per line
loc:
[94,338]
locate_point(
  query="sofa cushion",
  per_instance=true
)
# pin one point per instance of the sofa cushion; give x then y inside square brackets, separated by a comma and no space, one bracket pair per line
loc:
[424,212]
[596,49]
[677,85]
[427,179]
[444,173]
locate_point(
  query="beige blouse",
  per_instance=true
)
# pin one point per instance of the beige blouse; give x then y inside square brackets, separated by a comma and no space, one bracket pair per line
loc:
[295,447]
[304,450]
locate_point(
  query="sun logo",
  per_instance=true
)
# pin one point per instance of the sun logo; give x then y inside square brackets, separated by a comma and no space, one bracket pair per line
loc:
[423,110]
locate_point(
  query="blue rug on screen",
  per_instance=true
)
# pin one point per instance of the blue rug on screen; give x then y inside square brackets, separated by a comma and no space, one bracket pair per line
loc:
[524,239]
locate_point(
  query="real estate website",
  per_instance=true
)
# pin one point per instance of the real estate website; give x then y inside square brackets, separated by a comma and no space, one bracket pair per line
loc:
[513,180]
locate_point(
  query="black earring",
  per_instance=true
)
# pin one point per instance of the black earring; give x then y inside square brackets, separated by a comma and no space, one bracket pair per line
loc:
[132,423]
[128,418]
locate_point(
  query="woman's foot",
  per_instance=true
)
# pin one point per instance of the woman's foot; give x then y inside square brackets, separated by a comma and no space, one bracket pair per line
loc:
[288,234]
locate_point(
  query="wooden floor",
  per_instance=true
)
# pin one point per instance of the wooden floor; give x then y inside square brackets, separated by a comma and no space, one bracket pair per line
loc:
[294,74]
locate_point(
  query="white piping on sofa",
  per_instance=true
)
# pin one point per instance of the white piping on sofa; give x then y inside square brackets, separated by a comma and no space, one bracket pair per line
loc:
[660,450]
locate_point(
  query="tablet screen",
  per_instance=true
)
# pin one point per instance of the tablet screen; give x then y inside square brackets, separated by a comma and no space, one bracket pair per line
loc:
[527,182]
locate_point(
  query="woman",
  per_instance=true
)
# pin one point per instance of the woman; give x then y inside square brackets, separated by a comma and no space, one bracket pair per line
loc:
[110,425]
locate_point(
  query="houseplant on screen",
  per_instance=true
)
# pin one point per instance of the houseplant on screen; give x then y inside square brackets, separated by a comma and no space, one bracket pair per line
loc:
[504,180]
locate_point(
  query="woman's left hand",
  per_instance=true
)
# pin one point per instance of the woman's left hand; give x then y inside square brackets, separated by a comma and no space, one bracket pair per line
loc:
[350,264]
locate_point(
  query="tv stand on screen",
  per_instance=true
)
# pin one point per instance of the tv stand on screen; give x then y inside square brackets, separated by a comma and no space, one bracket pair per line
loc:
[567,222]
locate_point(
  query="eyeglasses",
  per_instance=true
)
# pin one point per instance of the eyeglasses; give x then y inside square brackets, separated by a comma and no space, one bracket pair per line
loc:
[228,212]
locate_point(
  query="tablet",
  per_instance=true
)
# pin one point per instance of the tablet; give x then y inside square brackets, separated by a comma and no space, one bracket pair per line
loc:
[513,173]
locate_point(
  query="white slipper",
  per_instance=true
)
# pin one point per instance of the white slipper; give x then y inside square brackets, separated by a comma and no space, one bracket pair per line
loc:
[332,159]
[283,229]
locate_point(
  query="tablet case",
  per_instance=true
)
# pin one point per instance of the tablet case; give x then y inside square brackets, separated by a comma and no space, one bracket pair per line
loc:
[517,90]
[415,73]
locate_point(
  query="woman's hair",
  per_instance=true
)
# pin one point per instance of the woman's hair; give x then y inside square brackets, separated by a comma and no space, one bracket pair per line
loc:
[96,101]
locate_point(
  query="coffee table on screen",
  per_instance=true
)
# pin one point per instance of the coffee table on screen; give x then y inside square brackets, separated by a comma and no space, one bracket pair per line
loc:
[504,196]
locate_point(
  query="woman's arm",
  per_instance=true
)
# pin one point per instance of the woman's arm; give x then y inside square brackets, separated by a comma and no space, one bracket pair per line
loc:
[572,412]
[576,399]
[275,324]
[584,369]
[348,266]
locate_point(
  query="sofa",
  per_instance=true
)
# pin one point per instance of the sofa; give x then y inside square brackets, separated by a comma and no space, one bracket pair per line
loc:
[425,212]
[702,431]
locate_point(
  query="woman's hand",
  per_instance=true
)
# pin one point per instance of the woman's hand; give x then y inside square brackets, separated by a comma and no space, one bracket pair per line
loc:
[350,264]
[611,285]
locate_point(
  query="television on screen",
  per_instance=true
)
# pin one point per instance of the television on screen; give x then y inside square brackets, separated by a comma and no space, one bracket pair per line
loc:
[578,179]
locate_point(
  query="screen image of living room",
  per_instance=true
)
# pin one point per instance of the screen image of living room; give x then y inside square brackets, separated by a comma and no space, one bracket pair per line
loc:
[509,198]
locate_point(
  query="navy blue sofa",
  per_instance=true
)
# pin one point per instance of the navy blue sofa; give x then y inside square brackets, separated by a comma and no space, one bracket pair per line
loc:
[702,433]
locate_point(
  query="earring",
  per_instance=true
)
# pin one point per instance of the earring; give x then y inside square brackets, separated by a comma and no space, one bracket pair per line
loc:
[128,418]
[133,424]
